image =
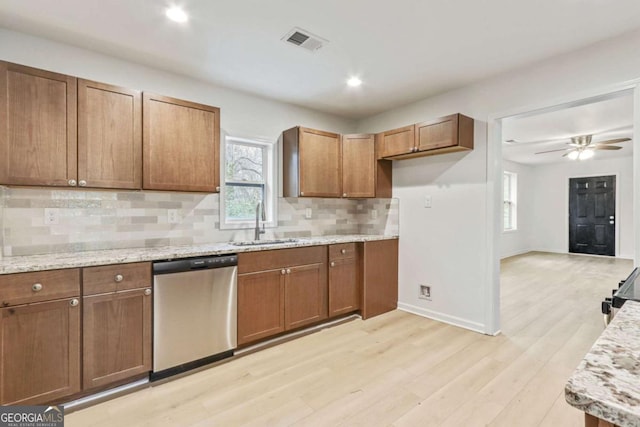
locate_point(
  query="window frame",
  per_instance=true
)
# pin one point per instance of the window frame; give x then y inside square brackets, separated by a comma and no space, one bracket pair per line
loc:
[269,170]
[512,201]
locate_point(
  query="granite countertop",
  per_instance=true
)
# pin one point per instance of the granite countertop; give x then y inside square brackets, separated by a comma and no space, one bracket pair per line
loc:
[606,384]
[20,264]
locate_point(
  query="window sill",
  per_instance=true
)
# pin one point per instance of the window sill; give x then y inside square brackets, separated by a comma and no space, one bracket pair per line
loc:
[513,230]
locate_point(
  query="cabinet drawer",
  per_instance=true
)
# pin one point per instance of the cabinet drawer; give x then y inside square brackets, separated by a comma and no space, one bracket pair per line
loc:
[249,262]
[342,251]
[26,288]
[119,277]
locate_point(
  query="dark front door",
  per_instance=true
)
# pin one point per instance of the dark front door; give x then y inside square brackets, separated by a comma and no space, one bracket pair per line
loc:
[592,213]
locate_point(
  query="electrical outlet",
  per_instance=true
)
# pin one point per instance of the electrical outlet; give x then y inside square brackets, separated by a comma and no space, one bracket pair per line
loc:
[425,292]
[50,216]
[308,213]
[374,214]
[427,201]
[173,217]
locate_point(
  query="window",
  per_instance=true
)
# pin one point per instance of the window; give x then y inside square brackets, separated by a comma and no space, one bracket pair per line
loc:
[510,189]
[249,177]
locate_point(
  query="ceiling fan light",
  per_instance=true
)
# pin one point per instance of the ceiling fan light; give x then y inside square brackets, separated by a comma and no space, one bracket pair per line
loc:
[573,155]
[586,154]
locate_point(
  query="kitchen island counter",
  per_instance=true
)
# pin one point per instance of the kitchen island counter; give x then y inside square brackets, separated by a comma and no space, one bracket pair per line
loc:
[606,384]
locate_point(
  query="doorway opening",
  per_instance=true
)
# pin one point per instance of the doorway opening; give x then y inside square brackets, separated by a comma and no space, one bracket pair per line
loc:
[592,214]
[551,138]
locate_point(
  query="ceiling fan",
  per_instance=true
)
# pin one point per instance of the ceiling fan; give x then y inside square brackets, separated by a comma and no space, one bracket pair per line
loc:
[582,148]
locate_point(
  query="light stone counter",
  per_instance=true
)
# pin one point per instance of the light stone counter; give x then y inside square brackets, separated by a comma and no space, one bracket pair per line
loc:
[54,261]
[606,384]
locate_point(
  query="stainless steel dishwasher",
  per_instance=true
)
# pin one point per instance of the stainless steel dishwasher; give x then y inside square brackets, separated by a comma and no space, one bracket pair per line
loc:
[194,312]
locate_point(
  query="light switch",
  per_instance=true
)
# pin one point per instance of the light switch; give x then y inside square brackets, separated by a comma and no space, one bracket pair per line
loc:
[427,201]
[307,213]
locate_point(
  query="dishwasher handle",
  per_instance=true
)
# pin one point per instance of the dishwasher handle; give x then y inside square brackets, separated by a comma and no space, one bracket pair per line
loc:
[190,264]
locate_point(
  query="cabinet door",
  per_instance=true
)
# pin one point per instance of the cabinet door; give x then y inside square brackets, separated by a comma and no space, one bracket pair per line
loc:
[358,166]
[40,352]
[38,144]
[380,277]
[109,136]
[260,305]
[398,141]
[439,133]
[116,336]
[344,290]
[181,143]
[305,295]
[320,164]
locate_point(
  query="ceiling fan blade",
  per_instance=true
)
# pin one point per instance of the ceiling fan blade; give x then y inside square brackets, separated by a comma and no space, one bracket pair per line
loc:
[614,141]
[605,147]
[553,151]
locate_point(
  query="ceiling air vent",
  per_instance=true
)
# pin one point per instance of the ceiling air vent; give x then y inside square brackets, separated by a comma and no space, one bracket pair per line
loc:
[304,39]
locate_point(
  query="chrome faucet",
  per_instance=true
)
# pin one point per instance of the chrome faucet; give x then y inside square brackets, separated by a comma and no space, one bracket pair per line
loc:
[259,214]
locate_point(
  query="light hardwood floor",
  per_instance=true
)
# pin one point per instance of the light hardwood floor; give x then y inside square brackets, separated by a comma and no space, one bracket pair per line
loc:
[402,370]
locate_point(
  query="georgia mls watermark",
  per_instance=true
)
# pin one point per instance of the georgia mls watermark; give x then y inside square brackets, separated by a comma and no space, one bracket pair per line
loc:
[31,416]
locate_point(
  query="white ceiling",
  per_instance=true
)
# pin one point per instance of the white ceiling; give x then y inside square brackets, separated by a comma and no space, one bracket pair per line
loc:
[404,50]
[552,130]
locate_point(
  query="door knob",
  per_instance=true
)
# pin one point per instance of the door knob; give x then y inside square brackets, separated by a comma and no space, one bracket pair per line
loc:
[37,287]
[119,278]
[74,302]
[333,264]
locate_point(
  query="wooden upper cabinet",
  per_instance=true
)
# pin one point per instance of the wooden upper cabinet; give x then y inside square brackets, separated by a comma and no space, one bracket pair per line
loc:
[358,166]
[38,144]
[109,136]
[443,135]
[397,141]
[181,143]
[450,133]
[311,163]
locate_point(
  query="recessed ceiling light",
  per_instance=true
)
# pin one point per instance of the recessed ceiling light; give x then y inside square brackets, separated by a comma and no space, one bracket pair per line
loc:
[354,82]
[177,14]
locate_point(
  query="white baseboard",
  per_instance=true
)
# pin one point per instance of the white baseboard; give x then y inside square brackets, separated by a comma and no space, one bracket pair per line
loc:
[514,253]
[441,317]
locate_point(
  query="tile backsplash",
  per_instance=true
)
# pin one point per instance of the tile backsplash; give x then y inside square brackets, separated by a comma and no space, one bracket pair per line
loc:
[90,220]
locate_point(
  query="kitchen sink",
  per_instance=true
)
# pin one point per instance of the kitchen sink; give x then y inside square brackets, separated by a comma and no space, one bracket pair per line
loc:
[263,242]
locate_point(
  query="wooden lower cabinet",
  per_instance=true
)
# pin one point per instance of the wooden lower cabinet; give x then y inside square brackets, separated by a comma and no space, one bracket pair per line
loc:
[305,295]
[344,278]
[344,289]
[40,352]
[260,305]
[380,277]
[275,300]
[116,336]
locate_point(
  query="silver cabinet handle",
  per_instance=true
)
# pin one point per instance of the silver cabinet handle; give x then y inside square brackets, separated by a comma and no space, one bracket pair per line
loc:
[344,194]
[302,193]
[288,271]
[37,287]
[283,271]
[611,222]
[74,302]
[218,189]
[119,278]
[333,264]
[73,183]
[147,291]
[343,251]
[82,183]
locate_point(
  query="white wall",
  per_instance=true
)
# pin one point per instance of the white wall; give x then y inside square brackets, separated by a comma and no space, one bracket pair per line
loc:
[551,202]
[449,245]
[518,241]
[240,114]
